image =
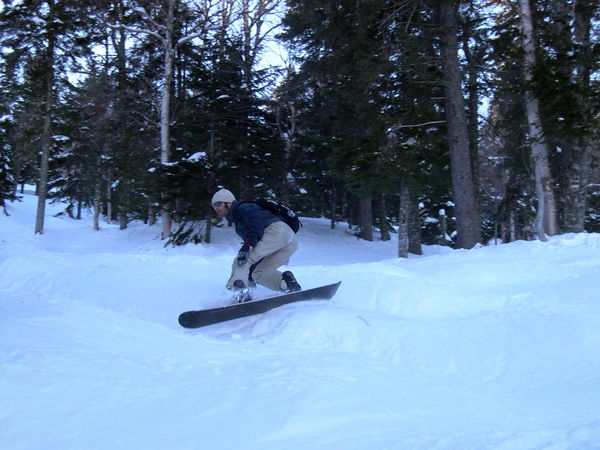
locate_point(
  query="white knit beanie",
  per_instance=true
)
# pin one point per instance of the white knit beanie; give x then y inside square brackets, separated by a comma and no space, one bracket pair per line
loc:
[223,195]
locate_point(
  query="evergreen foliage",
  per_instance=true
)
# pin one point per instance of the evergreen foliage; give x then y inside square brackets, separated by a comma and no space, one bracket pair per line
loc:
[7,181]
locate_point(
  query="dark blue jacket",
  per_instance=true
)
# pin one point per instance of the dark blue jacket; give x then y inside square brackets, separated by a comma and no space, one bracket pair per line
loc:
[250,219]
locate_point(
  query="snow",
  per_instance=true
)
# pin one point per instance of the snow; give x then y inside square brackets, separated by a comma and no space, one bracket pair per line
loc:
[493,348]
[198,156]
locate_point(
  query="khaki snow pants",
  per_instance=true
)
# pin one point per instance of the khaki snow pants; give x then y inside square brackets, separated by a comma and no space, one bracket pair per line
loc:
[274,250]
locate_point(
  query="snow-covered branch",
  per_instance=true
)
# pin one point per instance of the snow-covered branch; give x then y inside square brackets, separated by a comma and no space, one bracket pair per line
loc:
[137,31]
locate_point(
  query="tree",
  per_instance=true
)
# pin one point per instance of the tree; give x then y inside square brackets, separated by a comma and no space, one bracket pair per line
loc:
[468,222]
[46,137]
[546,219]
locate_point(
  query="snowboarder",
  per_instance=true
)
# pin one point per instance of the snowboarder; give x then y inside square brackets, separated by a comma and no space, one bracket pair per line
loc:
[268,243]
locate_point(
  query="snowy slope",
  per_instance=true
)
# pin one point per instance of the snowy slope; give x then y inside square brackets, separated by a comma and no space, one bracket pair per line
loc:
[494,348]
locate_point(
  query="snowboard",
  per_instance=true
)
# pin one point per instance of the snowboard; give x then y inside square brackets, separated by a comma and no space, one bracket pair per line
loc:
[202,318]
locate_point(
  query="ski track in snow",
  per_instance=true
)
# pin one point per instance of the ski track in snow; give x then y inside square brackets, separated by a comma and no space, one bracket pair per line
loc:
[494,348]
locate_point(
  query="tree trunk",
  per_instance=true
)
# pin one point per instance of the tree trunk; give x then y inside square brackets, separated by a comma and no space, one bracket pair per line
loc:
[333,203]
[468,223]
[165,106]
[475,60]
[403,220]
[546,219]
[575,193]
[414,225]
[286,125]
[513,227]
[208,229]
[46,141]
[96,220]
[366,218]
[109,205]
[409,227]
[151,212]
[211,182]
[384,228]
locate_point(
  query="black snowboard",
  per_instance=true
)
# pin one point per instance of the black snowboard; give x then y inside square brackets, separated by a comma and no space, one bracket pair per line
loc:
[196,319]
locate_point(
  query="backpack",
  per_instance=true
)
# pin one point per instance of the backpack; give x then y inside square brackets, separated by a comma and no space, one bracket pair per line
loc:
[279,209]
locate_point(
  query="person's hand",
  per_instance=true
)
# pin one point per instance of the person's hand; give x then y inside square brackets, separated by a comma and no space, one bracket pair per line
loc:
[242,256]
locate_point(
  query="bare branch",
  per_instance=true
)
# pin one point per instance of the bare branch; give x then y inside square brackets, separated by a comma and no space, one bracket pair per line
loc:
[424,124]
[137,31]
[144,14]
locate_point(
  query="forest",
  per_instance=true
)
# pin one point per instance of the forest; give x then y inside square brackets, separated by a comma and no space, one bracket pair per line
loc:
[452,122]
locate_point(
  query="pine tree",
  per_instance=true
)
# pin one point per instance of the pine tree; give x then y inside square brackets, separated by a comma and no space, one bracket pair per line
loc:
[468,222]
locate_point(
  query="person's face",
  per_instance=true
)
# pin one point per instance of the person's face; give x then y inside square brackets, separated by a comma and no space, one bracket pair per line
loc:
[221,208]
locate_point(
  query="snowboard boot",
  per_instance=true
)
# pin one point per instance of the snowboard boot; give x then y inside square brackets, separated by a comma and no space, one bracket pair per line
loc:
[289,283]
[242,293]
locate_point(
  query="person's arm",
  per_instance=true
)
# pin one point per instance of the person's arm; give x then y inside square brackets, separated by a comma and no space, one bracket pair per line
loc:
[253,224]
[253,229]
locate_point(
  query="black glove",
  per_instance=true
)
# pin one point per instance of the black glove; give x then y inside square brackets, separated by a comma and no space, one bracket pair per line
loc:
[242,256]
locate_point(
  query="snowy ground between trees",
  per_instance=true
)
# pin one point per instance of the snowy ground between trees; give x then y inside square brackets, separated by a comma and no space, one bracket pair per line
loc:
[494,348]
